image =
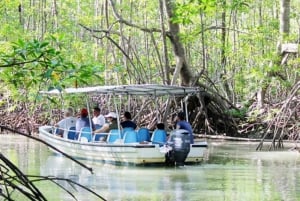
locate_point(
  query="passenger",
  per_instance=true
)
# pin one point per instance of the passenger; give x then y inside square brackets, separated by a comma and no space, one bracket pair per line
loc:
[83,121]
[181,123]
[67,122]
[127,122]
[112,123]
[98,118]
[160,126]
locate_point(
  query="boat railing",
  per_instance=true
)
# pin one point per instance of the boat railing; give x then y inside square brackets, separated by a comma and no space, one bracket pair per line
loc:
[85,134]
[114,135]
[141,135]
[69,133]
[72,133]
[124,130]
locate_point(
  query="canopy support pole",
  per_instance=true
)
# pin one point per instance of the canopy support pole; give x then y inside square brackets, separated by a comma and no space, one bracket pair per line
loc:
[88,109]
[185,108]
[156,108]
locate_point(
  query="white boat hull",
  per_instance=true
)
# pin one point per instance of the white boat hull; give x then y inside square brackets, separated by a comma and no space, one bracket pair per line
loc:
[116,153]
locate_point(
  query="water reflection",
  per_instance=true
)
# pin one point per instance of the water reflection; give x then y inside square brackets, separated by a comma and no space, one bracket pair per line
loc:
[118,183]
[267,175]
[234,172]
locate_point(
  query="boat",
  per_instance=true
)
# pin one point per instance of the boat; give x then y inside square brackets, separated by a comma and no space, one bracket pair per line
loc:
[117,150]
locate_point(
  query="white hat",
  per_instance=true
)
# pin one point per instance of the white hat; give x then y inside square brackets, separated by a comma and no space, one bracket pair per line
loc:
[112,115]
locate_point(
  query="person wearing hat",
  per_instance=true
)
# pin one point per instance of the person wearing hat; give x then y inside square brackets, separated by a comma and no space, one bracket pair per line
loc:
[112,123]
[84,120]
[67,122]
[181,123]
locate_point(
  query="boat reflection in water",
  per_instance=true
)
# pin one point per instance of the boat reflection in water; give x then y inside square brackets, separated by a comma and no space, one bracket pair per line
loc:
[124,182]
[235,171]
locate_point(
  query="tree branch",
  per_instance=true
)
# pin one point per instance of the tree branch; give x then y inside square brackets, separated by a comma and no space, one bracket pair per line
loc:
[21,63]
[121,20]
[54,179]
[111,40]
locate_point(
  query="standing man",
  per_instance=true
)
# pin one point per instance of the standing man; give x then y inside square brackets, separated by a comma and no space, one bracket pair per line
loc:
[181,123]
[66,123]
[98,118]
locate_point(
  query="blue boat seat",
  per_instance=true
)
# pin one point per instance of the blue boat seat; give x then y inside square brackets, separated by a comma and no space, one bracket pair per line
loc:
[85,134]
[159,136]
[72,133]
[130,137]
[124,131]
[99,137]
[113,135]
[143,135]
[97,126]
[56,130]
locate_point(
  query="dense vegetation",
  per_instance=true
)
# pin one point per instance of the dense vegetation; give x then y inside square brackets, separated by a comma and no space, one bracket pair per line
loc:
[234,50]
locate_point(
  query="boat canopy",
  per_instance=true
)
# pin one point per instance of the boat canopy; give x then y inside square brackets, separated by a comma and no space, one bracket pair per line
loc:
[138,90]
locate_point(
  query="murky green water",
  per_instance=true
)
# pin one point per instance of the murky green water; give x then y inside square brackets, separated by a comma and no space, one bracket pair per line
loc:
[233,172]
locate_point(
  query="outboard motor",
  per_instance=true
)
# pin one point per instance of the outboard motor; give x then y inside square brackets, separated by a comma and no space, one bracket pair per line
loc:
[179,142]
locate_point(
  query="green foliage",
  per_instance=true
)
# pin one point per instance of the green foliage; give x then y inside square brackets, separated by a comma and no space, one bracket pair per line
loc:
[34,65]
[185,13]
[29,63]
[240,5]
[51,50]
[240,113]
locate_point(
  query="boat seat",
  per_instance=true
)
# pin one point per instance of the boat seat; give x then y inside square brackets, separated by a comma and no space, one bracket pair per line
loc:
[130,137]
[97,137]
[56,130]
[124,131]
[113,135]
[159,136]
[97,126]
[72,133]
[85,134]
[143,135]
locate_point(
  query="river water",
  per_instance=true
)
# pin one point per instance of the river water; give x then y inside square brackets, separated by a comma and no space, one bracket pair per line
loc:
[234,171]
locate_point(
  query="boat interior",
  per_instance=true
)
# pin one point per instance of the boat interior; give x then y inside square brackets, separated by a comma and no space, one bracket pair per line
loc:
[126,135]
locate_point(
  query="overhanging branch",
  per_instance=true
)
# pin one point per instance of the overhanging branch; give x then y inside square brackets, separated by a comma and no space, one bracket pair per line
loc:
[21,63]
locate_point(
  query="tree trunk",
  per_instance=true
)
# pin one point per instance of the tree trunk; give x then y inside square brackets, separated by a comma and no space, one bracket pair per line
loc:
[284,32]
[224,75]
[285,17]
[54,13]
[166,69]
[182,67]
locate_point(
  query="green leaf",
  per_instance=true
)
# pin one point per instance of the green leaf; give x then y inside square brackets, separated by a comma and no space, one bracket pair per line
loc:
[44,44]
[48,73]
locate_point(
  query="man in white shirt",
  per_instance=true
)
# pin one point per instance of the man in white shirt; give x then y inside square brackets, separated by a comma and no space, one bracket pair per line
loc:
[98,119]
[64,124]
